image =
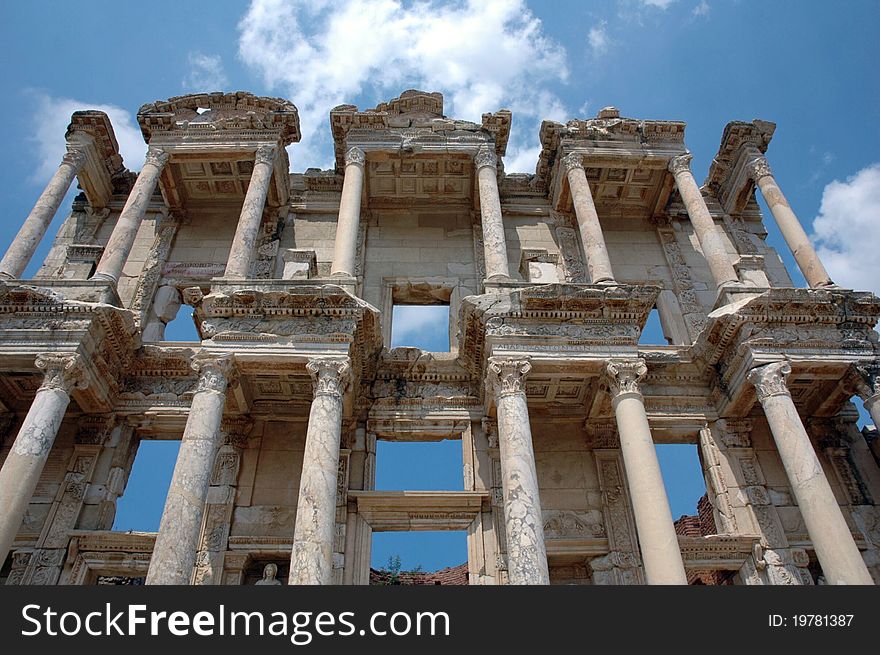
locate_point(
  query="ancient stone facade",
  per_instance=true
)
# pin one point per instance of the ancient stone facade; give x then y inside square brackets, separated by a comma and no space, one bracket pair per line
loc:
[550,279]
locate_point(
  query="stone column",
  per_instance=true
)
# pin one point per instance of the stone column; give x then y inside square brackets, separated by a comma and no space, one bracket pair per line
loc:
[22,248]
[177,543]
[524,525]
[598,262]
[311,561]
[707,232]
[835,548]
[867,387]
[798,241]
[345,246]
[494,241]
[657,539]
[241,254]
[123,235]
[30,450]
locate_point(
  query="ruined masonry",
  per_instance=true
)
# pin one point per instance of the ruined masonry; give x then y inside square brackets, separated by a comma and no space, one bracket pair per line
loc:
[549,277]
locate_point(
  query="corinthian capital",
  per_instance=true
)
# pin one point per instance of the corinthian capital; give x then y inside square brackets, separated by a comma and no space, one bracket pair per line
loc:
[330,375]
[769,380]
[74,157]
[215,371]
[758,167]
[265,155]
[864,381]
[355,156]
[573,160]
[680,164]
[62,371]
[507,375]
[157,157]
[623,376]
[485,157]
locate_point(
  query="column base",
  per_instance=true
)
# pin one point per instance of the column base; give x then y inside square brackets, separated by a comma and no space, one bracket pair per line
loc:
[104,277]
[736,292]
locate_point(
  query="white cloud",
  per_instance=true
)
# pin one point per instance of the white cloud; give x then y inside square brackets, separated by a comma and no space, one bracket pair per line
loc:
[422,326]
[598,39]
[51,118]
[205,73]
[847,230]
[659,4]
[482,55]
[701,9]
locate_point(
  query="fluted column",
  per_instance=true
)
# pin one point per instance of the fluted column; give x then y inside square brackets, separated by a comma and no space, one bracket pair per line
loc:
[868,389]
[707,232]
[122,238]
[311,561]
[241,254]
[792,231]
[524,526]
[835,548]
[592,240]
[30,450]
[177,543]
[345,246]
[22,248]
[658,542]
[494,241]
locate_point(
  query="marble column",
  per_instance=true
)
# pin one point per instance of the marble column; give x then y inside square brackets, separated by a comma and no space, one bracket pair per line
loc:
[22,248]
[835,548]
[792,231]
[30,450]
[177,543]
[867,387]
[592,240]
[708,234]
[244,243]
[311,561]
[345,246]
[658,542]
[494,241]
[124,234]
[524,525]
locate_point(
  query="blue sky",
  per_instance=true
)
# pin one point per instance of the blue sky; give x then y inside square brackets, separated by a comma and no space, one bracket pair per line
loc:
[808,66]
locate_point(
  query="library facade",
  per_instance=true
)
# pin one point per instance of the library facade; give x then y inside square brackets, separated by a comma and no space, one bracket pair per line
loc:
[548,383]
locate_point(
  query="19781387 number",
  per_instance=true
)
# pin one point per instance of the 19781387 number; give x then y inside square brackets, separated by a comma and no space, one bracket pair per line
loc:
[811,620]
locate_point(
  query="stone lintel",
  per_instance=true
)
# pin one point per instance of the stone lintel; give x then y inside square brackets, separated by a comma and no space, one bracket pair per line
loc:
[420,510]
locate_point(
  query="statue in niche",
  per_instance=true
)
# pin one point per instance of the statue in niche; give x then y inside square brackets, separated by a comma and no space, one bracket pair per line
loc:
[269,573]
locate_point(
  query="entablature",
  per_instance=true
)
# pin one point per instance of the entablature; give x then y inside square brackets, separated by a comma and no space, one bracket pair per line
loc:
[728,178]
[822,333]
